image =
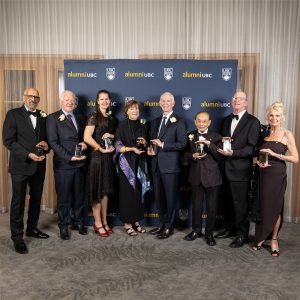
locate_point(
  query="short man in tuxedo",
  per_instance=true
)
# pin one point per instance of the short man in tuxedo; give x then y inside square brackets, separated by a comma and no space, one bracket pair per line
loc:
[64,133]
[168,135]
[204,176]
[243,129]
[24,135]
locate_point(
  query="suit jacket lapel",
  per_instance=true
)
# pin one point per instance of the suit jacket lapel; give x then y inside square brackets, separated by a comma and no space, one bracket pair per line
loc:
[227,125]
[240,124]
[27,118]
[169,123]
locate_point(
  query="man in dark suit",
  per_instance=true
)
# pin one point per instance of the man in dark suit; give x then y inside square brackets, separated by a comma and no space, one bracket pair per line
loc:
[24,135]
[168,135]
[65,135]
[204,176]
[243,129]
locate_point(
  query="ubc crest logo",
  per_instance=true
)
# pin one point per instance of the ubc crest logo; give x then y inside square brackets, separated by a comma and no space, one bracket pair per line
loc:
[168,73]
[110,73]
[186,103]
[183,214]
[226,73]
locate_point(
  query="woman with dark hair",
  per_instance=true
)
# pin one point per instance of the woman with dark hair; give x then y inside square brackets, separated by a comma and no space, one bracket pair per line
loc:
[132,169]
[99,135]
[277,148]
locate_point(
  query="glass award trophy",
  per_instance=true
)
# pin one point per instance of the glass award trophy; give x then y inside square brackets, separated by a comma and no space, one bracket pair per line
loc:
[78,150]
[263,158]
[226,143]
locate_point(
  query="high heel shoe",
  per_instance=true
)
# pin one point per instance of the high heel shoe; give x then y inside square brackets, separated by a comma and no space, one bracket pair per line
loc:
[137,227]
[257,247]
[275,253]
[107,228]
[97,231]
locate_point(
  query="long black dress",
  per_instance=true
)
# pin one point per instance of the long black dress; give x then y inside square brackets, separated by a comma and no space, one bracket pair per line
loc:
[128,163]
[273,182]
[101,170]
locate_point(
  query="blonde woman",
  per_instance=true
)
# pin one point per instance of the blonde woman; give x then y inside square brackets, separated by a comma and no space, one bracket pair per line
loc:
[280,147]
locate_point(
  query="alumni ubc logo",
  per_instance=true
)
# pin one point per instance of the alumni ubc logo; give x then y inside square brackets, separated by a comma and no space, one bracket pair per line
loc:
[168,73]
[186,103]
[226,73]
[110,73]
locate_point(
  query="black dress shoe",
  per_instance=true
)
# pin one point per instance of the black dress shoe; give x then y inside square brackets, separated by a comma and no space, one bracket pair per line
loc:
[167,233]
[156,230]
[192,236]
[36,234]
[225,234]
[82,230]
[238,242]
[64,234]
[210,240]
[20,247]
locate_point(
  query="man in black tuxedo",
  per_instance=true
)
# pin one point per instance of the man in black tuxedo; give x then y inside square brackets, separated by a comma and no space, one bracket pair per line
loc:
[65,134]
[24,135]
[243,129]
[168,136]
[204,176]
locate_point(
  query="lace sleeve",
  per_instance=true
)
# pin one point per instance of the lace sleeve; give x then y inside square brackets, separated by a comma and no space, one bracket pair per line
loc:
[91,120]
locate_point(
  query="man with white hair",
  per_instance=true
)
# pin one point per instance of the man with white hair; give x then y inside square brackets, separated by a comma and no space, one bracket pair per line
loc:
[168,135]
[65,136]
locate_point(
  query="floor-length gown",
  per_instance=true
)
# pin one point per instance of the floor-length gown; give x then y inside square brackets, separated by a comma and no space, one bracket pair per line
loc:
[273,182]
[130,195]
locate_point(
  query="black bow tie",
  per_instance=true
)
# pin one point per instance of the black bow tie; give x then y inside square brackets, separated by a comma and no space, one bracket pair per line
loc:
[202,134]
[234,116]
[32,113]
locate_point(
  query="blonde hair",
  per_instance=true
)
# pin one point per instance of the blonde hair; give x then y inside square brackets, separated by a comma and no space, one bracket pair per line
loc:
[279,107]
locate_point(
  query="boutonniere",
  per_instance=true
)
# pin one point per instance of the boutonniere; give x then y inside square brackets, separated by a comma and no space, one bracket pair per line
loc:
[173,120]
[43,114]
[61,117]
[191,137]
[143,121]
[109,113]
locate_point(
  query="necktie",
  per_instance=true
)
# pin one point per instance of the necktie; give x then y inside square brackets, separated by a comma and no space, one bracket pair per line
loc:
[31,113]
[163,126]
[234,116]
[69,116]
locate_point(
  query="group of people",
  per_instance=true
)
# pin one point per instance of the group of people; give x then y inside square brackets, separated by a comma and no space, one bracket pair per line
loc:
[97,157]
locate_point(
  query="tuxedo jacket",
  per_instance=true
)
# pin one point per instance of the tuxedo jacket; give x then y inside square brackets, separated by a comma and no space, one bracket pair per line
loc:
[244,139]
[167,159]
[204,171]
[20,138]
[63,137]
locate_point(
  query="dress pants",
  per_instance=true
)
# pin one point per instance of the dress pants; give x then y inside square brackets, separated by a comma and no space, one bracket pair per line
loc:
[165,190]
[239,197]
[199,194]
[19,186]
[69,186]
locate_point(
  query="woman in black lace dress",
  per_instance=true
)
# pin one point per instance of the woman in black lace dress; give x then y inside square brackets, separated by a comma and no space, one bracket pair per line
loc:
[99,134]
[281,148]
[132,169]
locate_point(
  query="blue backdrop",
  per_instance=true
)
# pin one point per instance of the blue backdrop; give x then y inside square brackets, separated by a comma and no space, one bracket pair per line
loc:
[197,85]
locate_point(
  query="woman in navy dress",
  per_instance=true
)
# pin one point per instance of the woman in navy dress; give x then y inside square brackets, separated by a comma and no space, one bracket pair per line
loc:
[99,134]
[281,148]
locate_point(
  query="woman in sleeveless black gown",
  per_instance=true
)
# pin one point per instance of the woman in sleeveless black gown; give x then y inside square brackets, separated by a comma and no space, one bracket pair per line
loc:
[130,158]
[99,134]
[273,178]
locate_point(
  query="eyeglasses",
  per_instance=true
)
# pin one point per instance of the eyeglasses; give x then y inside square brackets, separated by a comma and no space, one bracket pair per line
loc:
[32,96]
[239,98]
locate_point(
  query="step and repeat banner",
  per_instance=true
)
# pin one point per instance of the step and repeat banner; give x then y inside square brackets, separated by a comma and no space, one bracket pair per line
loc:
[197,85]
